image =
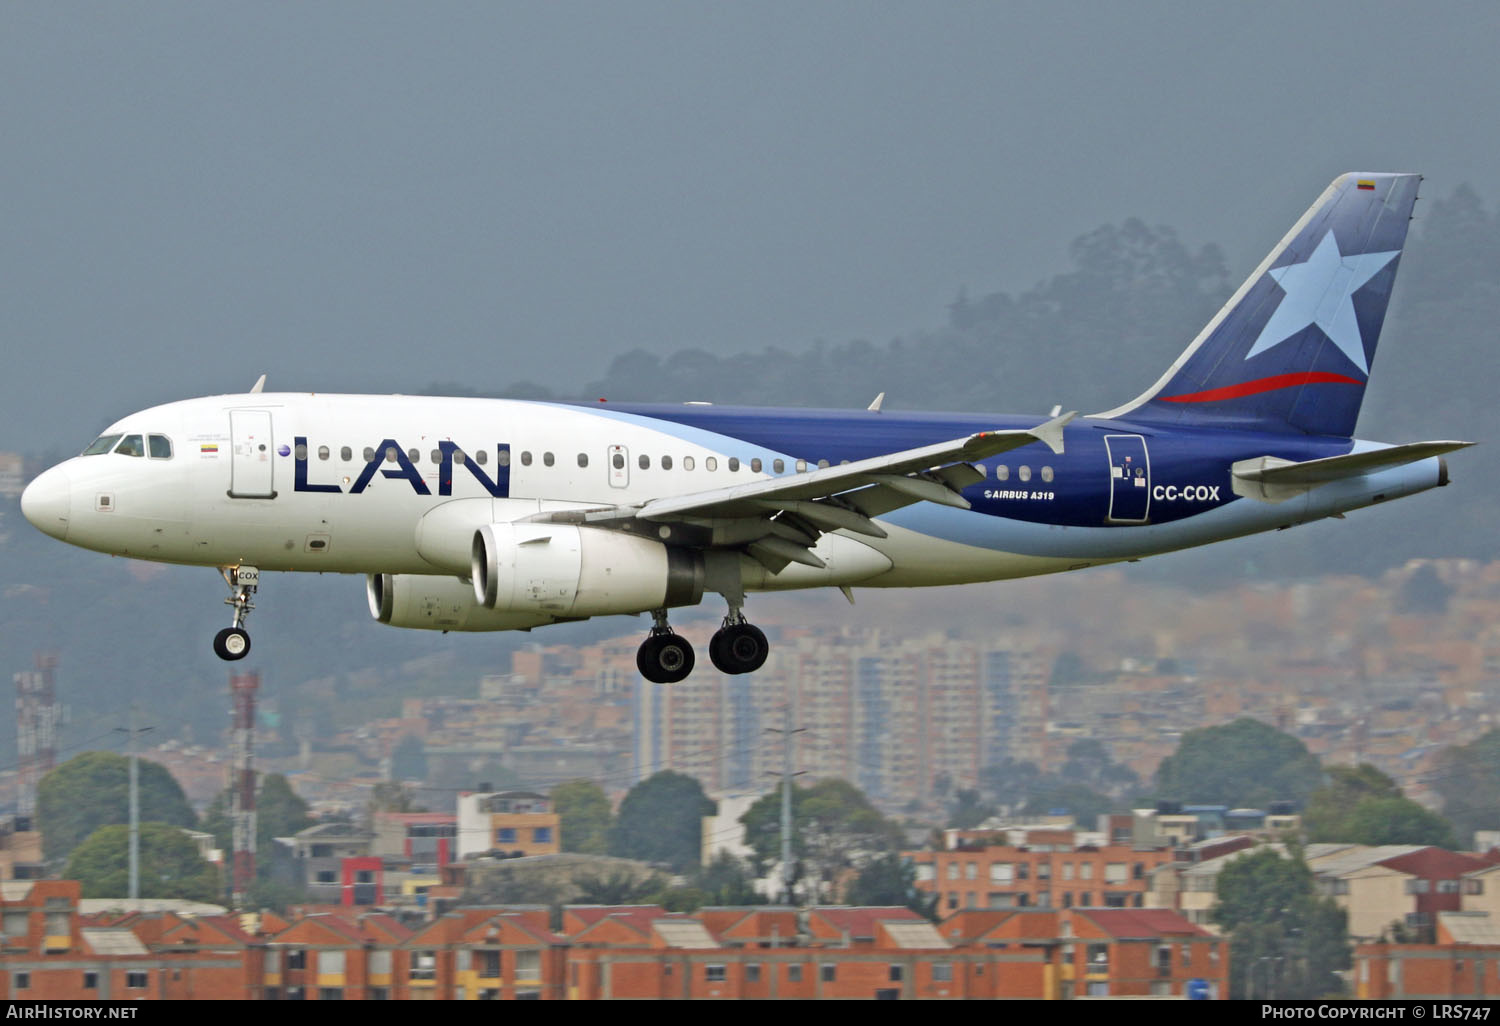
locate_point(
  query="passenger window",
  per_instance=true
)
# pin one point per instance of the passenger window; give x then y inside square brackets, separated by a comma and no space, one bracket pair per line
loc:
[323,452]
[618,460]
[459,458]
[300,453]
[437,457]
[583,459]
[822,464]
[547,459]
[801,466]
[779,466]
[644,462]
[709,463]
[687,463]
[369,454]
[526,457]
[413,456]
[390,454]
[734,464]
[755,465]
[346,454]
[161,447]
[131,446]
[1047,474]
[1002,473]
[666,463]
[1024,473]
[102,444]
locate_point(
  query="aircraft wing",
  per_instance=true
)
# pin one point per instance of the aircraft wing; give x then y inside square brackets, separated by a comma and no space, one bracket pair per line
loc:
[778,520]
[1271,479]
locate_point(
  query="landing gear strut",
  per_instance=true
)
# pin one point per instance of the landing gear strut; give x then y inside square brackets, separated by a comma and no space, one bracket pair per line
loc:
[233,642]
[664,657]
[738,646]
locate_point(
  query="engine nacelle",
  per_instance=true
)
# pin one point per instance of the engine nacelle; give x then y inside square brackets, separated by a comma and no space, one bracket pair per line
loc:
[439,604]
[563,570]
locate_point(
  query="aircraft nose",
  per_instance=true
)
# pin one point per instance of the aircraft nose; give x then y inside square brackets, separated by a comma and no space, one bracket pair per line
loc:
[47,502]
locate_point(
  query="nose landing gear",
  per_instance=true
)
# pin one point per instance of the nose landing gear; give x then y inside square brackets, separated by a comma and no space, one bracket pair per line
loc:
[233,642]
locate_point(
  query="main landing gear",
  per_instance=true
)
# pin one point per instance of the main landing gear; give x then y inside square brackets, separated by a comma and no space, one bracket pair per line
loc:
[664,657]
[667,658]
[233,642]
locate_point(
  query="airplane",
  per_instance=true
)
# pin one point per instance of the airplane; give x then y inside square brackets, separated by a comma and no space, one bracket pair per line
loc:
[473,514]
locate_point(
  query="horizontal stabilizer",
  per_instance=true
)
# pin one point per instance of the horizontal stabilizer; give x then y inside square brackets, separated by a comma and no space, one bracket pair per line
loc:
[1271,479]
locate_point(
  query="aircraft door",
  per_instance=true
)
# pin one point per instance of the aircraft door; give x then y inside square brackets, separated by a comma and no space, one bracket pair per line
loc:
[1129,479]
[250,473]
[619,466]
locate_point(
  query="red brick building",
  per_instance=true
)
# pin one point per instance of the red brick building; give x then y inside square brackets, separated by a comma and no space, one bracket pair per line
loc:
[1050,870]
[50,952]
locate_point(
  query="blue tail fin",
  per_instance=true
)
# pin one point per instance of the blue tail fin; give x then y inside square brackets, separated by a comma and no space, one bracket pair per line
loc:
[1291,350]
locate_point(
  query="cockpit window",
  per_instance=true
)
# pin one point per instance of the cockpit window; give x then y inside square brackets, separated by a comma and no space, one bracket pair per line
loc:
[131,445]
[161,447]
[102,444]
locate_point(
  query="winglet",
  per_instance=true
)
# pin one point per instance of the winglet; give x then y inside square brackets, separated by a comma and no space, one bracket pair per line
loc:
[260,383]
[876,404]
[1052,432]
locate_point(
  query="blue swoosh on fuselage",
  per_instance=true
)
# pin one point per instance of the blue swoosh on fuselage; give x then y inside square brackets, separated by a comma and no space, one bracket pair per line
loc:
[1078,495]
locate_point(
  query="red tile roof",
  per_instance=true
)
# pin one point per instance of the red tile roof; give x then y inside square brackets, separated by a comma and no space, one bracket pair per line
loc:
[1139,923]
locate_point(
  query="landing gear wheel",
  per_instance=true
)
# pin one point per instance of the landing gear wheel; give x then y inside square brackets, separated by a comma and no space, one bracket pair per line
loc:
[739,648]
[665,658]
[231,643]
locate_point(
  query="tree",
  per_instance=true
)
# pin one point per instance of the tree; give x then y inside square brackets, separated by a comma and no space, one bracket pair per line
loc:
[390,796]
[1089,763]
[620,887]
[1361,805]
[1284,939]
[93,790]
[1325,817]
[834,827]
[1398,820]
[169,865]
[727,881]
[1468,779]
[1056,795]
[409,759]
[586,818]
[968,810]
[1241,764]
[891,879]
[279,812]
[660,821]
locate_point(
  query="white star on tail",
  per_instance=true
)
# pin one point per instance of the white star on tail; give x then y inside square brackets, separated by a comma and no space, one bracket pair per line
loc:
[1320,291]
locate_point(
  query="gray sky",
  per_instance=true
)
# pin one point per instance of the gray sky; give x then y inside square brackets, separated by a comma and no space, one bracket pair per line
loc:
[372,196]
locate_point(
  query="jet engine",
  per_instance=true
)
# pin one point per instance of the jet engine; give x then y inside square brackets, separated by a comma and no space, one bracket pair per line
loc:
[562,570]
[439,604]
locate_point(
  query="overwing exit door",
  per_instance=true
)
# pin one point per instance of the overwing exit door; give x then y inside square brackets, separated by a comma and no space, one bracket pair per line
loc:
[619,466]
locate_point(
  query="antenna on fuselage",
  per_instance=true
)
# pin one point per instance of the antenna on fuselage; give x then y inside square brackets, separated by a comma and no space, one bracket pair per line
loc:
[260,383]
[876,404]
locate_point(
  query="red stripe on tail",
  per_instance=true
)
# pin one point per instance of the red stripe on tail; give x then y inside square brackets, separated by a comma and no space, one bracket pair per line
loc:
[1270,384]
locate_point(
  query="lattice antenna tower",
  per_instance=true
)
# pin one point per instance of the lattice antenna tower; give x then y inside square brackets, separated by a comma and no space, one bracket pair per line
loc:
[37,719]
[242,687]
